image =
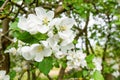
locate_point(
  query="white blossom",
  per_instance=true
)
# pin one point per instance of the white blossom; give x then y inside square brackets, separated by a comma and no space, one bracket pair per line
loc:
[44,17]
[3,75]
[98,63]
[26,53]
[40,52]
[76,59]
[115,66]
[12,50]
[116,73]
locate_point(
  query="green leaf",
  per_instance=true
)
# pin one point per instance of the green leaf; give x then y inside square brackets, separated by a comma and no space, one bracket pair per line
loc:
[90,57]
[1,3]
[12,74]
[28,1]
[97,76]
[25,37]
[40,36]
[46,65]
[14,26]
[85,73]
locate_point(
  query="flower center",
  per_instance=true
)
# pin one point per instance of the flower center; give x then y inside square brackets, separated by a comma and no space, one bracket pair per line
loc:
[45,21]
[62,28]
[40,48]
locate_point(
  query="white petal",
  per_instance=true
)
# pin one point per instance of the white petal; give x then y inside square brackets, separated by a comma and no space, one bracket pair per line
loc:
[68,22]
[39,57]
[59,55]
[7,77]
[34,18]
[40,12]
[67,47]
[35,48]
[50,15]
[47,52]
[26,53]
[45,43]
[53,41]
[22,23]
[43,29]
[2,73]
[55,22]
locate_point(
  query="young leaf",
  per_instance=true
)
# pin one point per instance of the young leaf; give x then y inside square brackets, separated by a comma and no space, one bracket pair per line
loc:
[97,76]
[46,65]
[14,26]
[25,37]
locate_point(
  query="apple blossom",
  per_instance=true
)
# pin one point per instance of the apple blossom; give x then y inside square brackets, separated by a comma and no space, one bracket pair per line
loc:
[98,63]
[26,52]
[3,75]
[40,51]
[116,73]
[76,59]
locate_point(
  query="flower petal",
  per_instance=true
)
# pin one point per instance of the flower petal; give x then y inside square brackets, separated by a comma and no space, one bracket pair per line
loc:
[40,12]
[39,57]
[26,53]
[43,29]
[50,15]
[47,52]
[22,23]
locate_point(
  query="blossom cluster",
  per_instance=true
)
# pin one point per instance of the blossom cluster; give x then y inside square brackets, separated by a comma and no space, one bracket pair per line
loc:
[59,42]
[60,34]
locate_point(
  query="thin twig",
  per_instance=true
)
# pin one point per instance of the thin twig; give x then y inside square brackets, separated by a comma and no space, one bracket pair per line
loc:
[86,32]
[21,75]
[48,76]
[4,4]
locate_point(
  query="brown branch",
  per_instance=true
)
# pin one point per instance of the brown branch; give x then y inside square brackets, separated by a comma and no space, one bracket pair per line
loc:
[49,77]
[4,4]
[86,32]
[19,6]
[61,73]
[91,48]
[21,75]
[5,43]
[59,10]
[108,36]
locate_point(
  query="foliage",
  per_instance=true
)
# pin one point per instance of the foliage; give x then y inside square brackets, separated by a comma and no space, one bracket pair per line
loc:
[81,36]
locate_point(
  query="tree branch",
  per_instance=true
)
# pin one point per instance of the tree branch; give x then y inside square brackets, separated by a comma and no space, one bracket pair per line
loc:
[4,4]
[61,73]
[86,32]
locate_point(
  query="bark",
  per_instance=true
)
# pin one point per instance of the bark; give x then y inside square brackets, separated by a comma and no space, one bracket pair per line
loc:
[61,73]
[4,58]
[109,77]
